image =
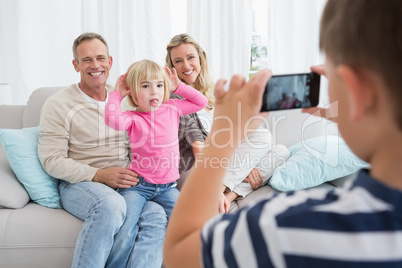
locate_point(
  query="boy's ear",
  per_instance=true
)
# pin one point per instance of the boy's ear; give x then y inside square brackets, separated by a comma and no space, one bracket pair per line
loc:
[362,95]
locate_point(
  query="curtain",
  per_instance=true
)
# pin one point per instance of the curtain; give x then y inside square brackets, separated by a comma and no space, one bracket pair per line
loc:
[223,29]
[293,37]
[36,38]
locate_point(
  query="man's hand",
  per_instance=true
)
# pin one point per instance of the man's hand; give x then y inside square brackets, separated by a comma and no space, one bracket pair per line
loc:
[116,177]
[254,178]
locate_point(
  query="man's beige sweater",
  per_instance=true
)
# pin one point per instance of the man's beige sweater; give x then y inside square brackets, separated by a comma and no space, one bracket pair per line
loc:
[74,141]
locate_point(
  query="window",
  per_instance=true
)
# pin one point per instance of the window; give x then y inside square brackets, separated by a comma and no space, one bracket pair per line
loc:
[259,50]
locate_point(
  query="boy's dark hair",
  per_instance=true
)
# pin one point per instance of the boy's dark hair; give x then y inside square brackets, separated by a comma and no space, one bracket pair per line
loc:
[86,37]
[368,34]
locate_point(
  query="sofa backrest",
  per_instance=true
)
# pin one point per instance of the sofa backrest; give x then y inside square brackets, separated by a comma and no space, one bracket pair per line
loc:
[291,126]
[31,115]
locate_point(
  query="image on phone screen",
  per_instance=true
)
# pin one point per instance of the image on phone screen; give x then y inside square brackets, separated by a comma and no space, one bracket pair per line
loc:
[291,92]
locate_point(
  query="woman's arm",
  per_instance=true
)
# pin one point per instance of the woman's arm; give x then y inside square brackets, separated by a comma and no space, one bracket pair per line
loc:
[202,190]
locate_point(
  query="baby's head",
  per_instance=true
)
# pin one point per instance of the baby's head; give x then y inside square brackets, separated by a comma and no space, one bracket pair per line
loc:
[145,70]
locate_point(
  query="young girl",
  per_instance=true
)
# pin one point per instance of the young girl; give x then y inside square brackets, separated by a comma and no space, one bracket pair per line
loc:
[152,129]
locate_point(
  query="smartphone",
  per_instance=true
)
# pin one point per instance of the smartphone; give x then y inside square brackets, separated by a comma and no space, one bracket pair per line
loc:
[291,91]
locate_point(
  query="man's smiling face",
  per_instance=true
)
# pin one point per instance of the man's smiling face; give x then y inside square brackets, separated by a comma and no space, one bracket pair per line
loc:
[93,63]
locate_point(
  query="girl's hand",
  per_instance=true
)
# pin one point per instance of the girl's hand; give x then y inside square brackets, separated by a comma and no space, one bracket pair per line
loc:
[121,86]
[173,78]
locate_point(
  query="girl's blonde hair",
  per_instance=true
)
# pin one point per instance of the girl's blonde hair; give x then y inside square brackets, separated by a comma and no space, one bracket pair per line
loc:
[204,82]
[141,71]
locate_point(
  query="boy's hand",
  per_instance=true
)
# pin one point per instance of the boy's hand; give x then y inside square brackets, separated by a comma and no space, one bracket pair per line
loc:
[331,111]
[237,109]
[173,78]
[121,86]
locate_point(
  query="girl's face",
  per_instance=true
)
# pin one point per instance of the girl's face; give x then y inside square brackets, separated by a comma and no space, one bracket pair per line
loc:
[150,95]
[186,60]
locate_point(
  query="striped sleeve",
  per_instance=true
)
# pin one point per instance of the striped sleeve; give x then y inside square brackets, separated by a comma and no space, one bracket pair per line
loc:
[359,226]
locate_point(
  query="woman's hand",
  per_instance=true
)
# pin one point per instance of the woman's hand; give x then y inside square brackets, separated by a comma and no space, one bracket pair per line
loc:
[121,86]
[197,147]
[224,204]
[173,78]
[254,178]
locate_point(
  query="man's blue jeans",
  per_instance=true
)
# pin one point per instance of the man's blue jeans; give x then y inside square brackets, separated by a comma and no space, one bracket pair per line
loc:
[136,196]
[103,211]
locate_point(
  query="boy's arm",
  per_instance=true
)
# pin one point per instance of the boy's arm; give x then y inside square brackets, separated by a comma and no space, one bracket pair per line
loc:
[202,190]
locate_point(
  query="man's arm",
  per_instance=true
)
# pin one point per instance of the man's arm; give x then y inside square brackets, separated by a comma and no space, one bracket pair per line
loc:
[202,190]
[56,136]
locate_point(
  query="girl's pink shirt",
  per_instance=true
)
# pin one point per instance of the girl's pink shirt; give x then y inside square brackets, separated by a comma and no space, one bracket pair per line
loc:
[154,135]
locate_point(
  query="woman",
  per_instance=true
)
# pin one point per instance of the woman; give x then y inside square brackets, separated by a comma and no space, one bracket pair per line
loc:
[252,164]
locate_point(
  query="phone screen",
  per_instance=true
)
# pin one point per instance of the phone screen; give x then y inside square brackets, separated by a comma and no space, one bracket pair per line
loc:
[291,92]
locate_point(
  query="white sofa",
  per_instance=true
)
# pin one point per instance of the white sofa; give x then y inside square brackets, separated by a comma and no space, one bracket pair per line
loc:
[35,236]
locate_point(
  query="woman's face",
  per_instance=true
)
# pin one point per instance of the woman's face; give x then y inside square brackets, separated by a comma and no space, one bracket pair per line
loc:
[186,60]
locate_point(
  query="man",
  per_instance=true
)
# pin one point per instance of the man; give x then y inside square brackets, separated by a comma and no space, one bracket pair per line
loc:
[89,158]
[357,226]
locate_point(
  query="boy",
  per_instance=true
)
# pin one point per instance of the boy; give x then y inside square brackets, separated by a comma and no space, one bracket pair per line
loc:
[360,225]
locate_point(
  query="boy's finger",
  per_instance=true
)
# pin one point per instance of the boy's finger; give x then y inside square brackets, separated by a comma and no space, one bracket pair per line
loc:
[219,88]
[237,82]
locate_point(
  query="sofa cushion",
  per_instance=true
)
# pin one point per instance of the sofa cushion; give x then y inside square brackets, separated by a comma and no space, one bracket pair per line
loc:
[12,193]
[21,146]
[315,161]
[36,236]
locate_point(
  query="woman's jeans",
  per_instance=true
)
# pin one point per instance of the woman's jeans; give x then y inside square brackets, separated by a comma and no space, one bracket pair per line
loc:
[104,212]
[136,196]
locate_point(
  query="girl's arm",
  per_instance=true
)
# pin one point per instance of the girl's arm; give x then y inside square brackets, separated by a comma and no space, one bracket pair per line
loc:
[113,115]
[202,189]
[193,101]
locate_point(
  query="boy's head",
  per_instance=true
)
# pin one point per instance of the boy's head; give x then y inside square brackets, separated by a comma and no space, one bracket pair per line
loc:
[145,70]
[366,33]
[362,40]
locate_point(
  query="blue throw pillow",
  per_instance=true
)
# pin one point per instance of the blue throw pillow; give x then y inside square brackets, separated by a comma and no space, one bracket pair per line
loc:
[20,146]
[314,162]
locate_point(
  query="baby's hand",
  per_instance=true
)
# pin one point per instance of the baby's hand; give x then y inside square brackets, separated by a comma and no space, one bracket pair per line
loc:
[173,78]
[121,86]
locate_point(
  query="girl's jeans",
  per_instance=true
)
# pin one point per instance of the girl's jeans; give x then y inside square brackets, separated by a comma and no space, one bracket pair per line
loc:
[104,211]
[136,196]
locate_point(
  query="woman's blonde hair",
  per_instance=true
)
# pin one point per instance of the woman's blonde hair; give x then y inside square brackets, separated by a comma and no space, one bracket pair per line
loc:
[141,71]
[204,82]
